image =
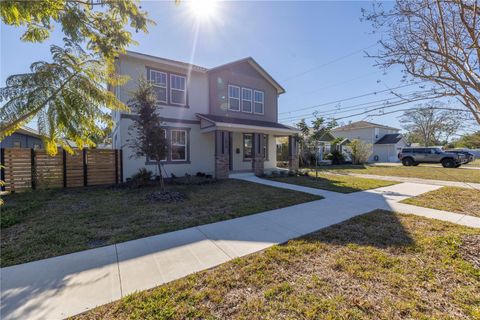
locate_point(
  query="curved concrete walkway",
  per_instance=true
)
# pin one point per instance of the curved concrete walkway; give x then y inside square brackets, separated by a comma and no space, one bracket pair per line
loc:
[63,286]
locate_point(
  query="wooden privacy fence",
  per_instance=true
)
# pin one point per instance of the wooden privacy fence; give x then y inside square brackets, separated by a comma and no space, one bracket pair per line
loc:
[30,169]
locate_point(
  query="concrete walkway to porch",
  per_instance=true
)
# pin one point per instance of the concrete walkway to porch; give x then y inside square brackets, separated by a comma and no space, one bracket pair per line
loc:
[63,286]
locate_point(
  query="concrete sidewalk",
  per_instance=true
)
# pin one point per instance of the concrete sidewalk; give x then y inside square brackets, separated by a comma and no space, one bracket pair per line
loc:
[63,286]
[468,185]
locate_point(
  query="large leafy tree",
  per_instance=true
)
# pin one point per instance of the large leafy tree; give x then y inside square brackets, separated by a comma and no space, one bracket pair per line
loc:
[69,95]
[436,41]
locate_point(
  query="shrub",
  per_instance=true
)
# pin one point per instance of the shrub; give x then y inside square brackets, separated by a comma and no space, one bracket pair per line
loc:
[142,177]
[336,157]
[361,151]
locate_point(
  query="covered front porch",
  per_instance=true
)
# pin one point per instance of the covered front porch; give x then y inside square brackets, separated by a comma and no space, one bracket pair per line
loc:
[244,145]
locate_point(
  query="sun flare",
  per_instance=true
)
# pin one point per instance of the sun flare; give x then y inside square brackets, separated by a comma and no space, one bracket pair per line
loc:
[203,9]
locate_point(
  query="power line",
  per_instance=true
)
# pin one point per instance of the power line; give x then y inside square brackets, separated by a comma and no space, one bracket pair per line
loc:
[361,105]
[328,63]
[350,98]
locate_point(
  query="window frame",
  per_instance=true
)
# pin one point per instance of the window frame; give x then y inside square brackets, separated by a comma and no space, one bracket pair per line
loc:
[171,75]
[185,145]
[263,102]
[239,98]
[251,99]
[159,86]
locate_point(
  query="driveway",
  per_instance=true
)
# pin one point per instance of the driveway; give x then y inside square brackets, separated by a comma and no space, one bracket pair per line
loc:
[63,286]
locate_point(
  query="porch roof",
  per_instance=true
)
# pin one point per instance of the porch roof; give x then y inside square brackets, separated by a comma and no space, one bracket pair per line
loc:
[209,122]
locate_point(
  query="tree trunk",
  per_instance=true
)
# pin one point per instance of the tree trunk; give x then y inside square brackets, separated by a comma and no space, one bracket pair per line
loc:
[162,182]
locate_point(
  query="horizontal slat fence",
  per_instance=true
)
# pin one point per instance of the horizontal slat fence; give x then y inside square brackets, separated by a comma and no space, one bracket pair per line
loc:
[31,169]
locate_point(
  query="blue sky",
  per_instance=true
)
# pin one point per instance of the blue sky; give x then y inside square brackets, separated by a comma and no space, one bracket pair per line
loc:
[314,49]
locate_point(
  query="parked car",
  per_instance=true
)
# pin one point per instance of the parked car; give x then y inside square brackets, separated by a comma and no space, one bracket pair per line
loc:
[415,156]
[468,155]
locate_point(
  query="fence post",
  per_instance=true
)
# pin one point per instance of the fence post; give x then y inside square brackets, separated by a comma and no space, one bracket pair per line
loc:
[64,168]
[2,170]
[85,170]
[33,169]
[121,165]
[116,166]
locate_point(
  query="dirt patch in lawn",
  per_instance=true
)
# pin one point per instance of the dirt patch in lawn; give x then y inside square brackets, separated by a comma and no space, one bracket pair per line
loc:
[376,266]
[460,200]
[470,249]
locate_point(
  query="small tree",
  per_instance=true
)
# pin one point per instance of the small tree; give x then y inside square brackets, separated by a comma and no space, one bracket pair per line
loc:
[361,151]
[149,138]
[471,141]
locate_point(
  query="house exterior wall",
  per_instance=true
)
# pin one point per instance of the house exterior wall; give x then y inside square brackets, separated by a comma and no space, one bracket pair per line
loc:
[388,152]
[200,152]
[26,141]
[241,75]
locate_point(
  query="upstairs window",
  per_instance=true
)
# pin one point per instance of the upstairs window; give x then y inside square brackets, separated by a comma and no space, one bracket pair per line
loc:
[179,145]
[159,82]
[258,104]
[234,98]
[247,100]
[178,92]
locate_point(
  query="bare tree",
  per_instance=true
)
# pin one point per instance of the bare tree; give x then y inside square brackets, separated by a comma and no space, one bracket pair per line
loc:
[436,41]
[431,125]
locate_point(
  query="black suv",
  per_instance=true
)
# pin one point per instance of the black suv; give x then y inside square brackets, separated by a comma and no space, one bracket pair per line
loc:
[415,156]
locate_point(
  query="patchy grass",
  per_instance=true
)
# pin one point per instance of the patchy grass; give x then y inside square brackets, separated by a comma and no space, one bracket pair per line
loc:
[420,171]
[47,223]
[474,163]
[460,200]
[376,266]
[336,183]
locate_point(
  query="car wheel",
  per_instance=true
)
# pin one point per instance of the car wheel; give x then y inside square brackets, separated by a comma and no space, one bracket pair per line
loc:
[407,162]
[448,163]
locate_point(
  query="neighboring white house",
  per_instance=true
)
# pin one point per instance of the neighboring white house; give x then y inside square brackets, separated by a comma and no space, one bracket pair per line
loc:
[386,141]
[216,120]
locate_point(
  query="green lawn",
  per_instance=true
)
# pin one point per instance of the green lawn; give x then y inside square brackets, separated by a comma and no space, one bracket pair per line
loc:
[420,171]
[343,184]
[376,266]
[460,200]
[46,223]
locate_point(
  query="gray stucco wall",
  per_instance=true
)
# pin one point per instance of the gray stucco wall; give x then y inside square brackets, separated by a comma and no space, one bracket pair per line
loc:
[26,141]
[242,75]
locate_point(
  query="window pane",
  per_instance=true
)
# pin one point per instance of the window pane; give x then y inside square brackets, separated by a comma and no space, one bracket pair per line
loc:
[178,137]
[258,96]
[158,78]
[246,94]
[178,97]
[160,93]
[258,107]
[247,106]
[177,82]
[234,104]
[178,153]
[234,92]
[247,146]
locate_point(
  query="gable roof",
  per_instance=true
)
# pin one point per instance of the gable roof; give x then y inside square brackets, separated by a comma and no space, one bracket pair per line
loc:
[257,67]
[29,132]
[173,63]
[361,125]
[391,138]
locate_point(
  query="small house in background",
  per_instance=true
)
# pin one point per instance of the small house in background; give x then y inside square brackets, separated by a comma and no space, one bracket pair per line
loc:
[23,138]
[386,141]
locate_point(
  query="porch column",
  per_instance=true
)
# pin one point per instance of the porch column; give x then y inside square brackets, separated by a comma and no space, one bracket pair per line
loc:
[257,154]
[293,161]
[222,154]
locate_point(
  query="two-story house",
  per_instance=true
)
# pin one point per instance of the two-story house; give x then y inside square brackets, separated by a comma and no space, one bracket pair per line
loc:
[217,121]
[386,141]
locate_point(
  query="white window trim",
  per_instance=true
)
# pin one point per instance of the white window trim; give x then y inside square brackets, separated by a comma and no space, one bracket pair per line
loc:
[184,90]
[251,100]
[239,98]
[158,85]
[263,102]
[181,145]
